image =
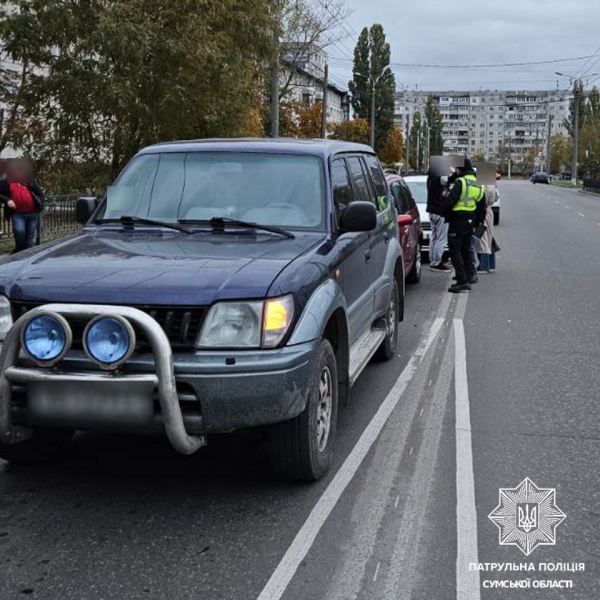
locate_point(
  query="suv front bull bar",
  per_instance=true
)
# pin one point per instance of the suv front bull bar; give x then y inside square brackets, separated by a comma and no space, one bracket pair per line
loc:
[164,379]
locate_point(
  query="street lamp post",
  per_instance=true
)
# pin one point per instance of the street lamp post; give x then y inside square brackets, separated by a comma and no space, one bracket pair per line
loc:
[373,103]
[578,82]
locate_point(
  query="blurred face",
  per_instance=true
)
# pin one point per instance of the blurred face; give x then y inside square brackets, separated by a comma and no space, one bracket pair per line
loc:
[19,171]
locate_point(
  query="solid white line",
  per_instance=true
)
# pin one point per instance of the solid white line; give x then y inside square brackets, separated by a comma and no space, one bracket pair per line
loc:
[467,582]
[377,571]
[305,538]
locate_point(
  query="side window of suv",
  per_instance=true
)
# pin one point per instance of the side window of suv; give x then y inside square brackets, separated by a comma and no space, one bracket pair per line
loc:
[364,190]
[343,192]
[378,178]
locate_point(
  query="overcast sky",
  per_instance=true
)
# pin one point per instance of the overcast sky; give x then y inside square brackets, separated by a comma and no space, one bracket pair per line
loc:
[441,32]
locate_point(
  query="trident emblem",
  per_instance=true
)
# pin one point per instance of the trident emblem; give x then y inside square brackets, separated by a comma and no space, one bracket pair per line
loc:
[527,515]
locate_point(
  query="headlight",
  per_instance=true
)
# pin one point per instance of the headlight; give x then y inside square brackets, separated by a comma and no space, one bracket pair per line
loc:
[5,317]
[46,338]
[247,324]
[232,325]
[109,341]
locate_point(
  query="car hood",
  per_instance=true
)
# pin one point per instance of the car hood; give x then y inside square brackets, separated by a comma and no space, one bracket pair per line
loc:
[151,267]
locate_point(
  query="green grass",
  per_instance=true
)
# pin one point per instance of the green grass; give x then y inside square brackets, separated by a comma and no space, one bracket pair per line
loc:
[567,184]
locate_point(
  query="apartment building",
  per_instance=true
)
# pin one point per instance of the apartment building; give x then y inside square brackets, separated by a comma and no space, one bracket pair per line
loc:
[484,122]
[304,68]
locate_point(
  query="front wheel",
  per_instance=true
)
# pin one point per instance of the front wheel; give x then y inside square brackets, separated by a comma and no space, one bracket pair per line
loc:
[387,350]
[415,273]
[301,449]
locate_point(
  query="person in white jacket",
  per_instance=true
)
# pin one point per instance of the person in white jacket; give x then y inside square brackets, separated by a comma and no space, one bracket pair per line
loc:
[485,250]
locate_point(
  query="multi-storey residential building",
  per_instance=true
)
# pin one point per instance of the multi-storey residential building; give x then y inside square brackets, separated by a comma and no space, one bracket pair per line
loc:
[303,75]
[485,122]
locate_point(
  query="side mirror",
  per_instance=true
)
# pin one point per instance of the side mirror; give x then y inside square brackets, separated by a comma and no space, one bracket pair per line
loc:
[405,220]
[358,216]
[84,208]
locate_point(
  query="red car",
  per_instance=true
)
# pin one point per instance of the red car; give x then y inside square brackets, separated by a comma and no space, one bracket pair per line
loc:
[409,226]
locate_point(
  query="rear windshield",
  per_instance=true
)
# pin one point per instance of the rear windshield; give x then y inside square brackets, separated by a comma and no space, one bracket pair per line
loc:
[270,189]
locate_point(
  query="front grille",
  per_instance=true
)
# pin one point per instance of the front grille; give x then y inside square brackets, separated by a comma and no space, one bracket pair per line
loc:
[180,324]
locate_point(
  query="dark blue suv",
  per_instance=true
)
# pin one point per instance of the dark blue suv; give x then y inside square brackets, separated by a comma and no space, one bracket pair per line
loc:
[218,285]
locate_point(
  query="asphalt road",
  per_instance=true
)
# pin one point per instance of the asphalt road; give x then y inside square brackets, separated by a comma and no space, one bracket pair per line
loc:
[489,388]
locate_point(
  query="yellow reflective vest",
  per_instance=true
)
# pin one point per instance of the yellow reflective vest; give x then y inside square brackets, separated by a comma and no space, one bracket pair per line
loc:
[470,194]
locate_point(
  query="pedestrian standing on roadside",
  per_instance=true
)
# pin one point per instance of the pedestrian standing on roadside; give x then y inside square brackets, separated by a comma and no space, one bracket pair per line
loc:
[485,251]
[468,210]
[23,201]
[439,227]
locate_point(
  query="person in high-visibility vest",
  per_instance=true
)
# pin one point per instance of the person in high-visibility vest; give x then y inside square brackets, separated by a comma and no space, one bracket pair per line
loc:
[468,211]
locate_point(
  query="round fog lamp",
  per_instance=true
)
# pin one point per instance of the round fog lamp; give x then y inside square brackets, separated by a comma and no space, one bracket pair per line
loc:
[46,338]
[109,341]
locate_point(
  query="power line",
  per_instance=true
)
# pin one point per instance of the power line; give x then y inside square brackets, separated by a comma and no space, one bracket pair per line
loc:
[481,66]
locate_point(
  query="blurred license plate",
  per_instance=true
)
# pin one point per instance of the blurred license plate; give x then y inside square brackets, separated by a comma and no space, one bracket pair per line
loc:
[105,402]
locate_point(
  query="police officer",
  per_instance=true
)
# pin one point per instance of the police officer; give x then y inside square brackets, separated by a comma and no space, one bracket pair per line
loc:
[468,210]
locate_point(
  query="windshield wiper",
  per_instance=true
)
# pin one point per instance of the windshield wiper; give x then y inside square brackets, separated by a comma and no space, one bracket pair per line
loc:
[220,222]
[129,221]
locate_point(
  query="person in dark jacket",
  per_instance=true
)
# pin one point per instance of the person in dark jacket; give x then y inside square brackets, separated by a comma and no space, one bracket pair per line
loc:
[468,211]
[439,227]
[23,201]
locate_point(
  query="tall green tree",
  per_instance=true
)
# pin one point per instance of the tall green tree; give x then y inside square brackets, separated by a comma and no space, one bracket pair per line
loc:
[435,124]
[372,74]
[417,143]
[107,78]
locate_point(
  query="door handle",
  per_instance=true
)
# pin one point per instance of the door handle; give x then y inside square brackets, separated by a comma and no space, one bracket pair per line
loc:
[367,255]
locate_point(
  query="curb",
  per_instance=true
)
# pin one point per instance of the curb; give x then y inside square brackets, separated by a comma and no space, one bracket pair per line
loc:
[589,193]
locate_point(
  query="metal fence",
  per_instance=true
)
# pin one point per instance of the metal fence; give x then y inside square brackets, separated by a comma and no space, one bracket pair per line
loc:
[56,220]
[592,185]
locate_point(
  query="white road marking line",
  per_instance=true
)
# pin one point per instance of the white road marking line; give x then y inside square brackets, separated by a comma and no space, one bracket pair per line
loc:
[412,449]
[467,582]
[556,202]
[567,207]
[377,571]
[295,554]
[397,501]
[430,383]
[421,412]
[581,215]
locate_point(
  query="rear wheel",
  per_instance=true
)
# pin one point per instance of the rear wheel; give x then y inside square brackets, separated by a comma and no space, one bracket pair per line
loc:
[415,273]
[387,350]
[46,444]
[301,449]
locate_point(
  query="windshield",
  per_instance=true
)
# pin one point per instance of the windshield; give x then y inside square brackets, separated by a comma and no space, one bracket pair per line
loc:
[419,191]
[270,189]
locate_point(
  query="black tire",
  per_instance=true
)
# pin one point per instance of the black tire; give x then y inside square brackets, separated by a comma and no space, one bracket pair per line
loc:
[415,273]
[299,449]
[46,444]
[394,314]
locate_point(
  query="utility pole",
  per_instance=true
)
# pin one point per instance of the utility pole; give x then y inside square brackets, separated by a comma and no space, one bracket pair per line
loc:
[418,155]
[509,158]
[575,136]
[275,86]
[550,117]
[325,92]
[373,94]
[407,142]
